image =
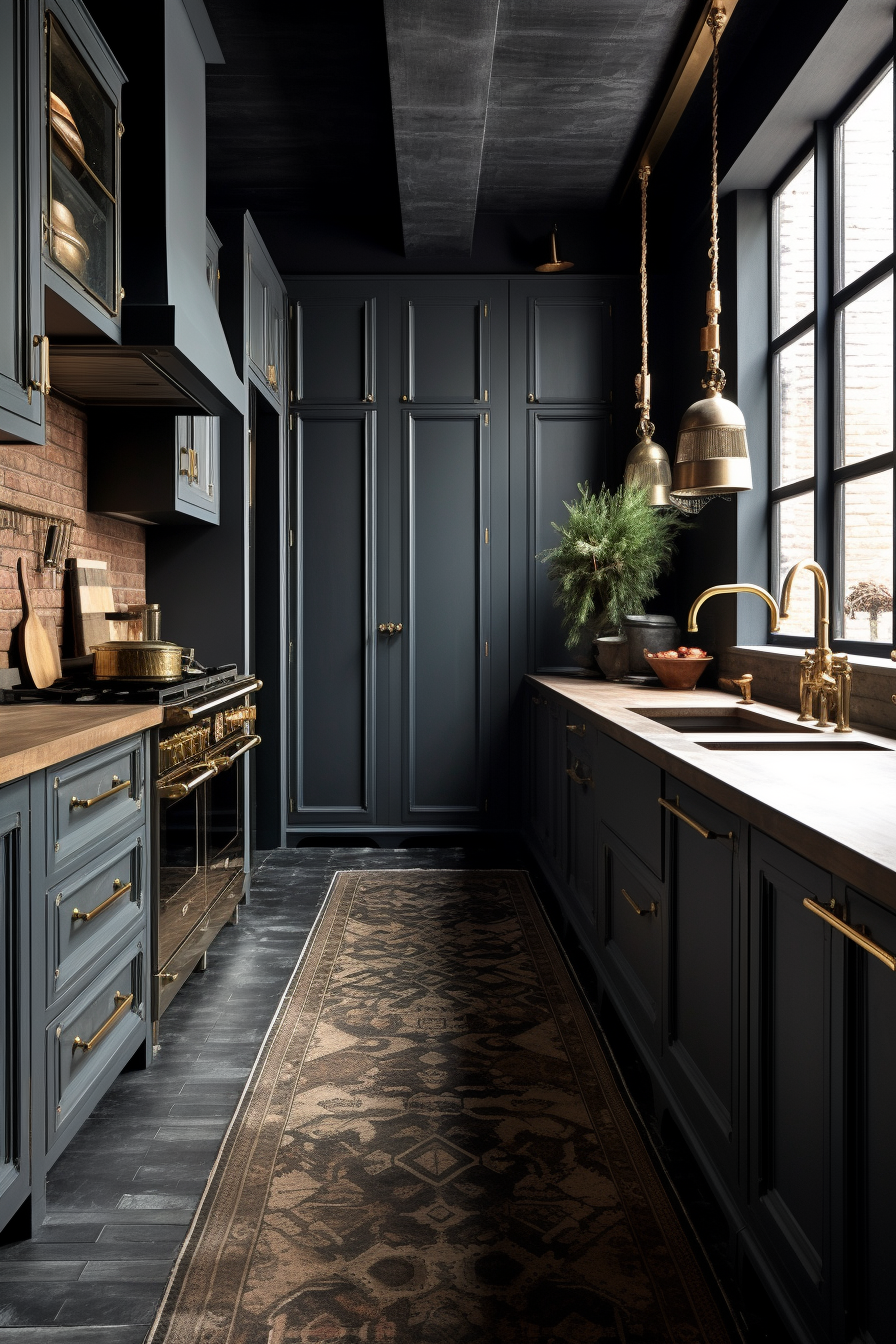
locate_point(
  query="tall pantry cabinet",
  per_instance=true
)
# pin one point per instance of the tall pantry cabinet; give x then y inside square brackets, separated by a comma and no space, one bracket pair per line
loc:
[409,494]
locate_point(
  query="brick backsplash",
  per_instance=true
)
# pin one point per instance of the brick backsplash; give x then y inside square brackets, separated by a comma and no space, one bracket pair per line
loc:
[53,479]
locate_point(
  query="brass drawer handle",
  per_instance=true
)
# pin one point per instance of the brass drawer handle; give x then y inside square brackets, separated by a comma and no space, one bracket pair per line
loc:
[689,821]
[88,915]
[579,779]
[123,1006]
[183,713]
[180,788]
[167,977]
[852,934]
[100,797]
[225,762]
[637,909]
[577,728]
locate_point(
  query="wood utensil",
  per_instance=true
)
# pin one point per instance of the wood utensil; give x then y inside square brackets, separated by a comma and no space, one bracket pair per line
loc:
[35,650]
[92,597]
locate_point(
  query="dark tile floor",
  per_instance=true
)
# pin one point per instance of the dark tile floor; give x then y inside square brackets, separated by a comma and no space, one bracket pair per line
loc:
[122,1195]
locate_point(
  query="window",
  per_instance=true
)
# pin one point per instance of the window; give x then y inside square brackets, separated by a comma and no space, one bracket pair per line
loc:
[832,479]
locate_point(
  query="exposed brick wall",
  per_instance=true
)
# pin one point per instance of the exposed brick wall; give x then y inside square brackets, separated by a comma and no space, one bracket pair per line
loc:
[53,479]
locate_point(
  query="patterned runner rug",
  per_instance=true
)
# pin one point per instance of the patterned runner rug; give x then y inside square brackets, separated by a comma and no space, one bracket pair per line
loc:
[432,1149]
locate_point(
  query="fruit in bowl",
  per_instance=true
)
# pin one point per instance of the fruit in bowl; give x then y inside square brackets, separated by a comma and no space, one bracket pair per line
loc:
[678,669]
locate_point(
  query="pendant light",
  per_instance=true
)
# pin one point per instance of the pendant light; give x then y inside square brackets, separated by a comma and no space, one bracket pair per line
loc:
[711,456]
[555,264]
[647,465]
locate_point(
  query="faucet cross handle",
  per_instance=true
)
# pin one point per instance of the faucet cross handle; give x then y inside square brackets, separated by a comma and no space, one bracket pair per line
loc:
[743,684]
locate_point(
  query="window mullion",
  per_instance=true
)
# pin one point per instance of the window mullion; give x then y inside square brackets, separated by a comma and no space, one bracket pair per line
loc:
[824,352]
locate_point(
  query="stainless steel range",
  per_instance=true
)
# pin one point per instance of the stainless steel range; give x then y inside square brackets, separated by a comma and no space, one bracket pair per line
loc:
[198,847]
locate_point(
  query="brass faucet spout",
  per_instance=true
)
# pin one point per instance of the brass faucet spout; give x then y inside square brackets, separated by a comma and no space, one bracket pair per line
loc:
[734,588]
[822,599]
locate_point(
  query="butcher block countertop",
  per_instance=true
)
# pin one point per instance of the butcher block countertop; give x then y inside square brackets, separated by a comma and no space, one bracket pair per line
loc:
[835,807]
[33,737]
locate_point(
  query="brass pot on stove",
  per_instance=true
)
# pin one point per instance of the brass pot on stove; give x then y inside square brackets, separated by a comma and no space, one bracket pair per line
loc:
[140,660]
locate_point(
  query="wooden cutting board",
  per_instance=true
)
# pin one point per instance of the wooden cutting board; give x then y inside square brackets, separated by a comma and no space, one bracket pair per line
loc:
[91,599]
[35,650]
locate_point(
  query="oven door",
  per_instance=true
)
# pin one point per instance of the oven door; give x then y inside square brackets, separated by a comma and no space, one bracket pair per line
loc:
[183,894]
[225,837]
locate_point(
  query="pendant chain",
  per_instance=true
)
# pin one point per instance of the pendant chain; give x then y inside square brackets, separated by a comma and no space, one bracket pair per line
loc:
[710,336]
[645,428]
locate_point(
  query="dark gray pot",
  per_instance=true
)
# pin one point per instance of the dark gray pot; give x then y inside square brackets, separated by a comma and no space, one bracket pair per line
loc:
[653,633]
[611,652]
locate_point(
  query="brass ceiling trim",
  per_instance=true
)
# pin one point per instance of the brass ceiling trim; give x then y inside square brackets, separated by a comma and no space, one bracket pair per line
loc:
[697,55]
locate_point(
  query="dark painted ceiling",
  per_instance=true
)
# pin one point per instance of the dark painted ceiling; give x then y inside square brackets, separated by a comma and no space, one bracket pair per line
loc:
[403,120]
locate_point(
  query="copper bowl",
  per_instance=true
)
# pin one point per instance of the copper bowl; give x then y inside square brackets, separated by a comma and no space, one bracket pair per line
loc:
[68,247]
[677,674]
[67,144]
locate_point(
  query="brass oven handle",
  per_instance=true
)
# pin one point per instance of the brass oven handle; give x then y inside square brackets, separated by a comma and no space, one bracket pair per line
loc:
[123,1006]
[89,802]
[637,909]
[578,779]
[88,915]
[689,821]
[226,761]
[852,934]
[180,789]
[181,713]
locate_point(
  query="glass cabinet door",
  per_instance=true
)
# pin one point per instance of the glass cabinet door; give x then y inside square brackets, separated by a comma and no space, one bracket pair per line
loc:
[84,132]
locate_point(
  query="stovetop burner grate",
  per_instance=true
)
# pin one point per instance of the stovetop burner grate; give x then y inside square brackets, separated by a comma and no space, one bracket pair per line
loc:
[84,690]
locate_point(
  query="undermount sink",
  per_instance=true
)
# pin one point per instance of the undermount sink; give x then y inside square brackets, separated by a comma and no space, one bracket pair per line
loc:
[786,743]
[725,719]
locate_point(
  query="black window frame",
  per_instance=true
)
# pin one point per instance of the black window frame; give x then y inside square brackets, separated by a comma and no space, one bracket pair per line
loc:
[829,301]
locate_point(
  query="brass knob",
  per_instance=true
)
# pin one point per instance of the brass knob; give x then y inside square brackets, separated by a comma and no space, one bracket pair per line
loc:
[389,628]
[404,398]
[370,396]
[531,396]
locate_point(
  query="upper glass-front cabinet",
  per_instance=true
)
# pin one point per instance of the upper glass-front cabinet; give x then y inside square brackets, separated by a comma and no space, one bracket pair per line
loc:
[81,209]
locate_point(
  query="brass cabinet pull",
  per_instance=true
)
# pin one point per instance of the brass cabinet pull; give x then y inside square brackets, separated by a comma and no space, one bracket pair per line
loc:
[123,1005]
[88,915]
[579,779]
[179,788]
[390,628]
[167,977]
[226,761]
[689,821]
[536,700]
[272,376]
[100,797]
[852,934]
[577,728]
[42,384]
[637,909]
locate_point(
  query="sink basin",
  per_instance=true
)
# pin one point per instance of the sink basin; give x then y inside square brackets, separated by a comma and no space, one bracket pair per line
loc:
[818,742]
[725,720]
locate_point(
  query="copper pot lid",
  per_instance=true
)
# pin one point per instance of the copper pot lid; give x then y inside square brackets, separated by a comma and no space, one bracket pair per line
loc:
[149,645]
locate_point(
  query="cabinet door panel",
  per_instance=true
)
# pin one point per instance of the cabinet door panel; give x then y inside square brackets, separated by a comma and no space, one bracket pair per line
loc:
[631,938]
[704,959]
[796,1055]
[334,485]
[582,846]
[445,640]
[21,411]
[445,350]
[569,350]
[874,1173]
[14,1054]
[335,350]
[258,317]
[564,450]
[628,787]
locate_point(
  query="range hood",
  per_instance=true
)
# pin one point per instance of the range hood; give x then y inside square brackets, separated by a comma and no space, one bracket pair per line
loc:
[173,349]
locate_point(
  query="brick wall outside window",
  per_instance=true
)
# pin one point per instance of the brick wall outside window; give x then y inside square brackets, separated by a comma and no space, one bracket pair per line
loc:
[53,479]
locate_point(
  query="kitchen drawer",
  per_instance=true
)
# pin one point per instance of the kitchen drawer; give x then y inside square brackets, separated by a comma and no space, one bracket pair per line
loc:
[631,937]
[628,787]
[93,798]
[90,1041]
[91,911]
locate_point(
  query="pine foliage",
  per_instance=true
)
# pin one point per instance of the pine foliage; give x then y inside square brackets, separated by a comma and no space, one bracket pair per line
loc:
[613,548]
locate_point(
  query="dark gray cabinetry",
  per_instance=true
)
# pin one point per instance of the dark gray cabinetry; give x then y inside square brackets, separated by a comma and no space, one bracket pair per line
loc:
[21,405]
[581,839]
[766,1030]
[15,1158]
[157,467]
[265,306]
[82,132]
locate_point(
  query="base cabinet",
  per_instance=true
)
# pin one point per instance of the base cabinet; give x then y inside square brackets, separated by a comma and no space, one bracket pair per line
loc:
[766,1029]
[15,1162]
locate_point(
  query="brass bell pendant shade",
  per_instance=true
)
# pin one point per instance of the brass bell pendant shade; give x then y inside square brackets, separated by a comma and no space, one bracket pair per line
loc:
[647,465]
[711,456]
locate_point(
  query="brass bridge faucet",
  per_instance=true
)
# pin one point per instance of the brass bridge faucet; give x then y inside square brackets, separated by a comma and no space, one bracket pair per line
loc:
[825,677]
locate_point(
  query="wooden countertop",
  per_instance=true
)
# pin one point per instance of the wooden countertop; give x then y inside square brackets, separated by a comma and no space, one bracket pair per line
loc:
[837,808]
[33,737]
